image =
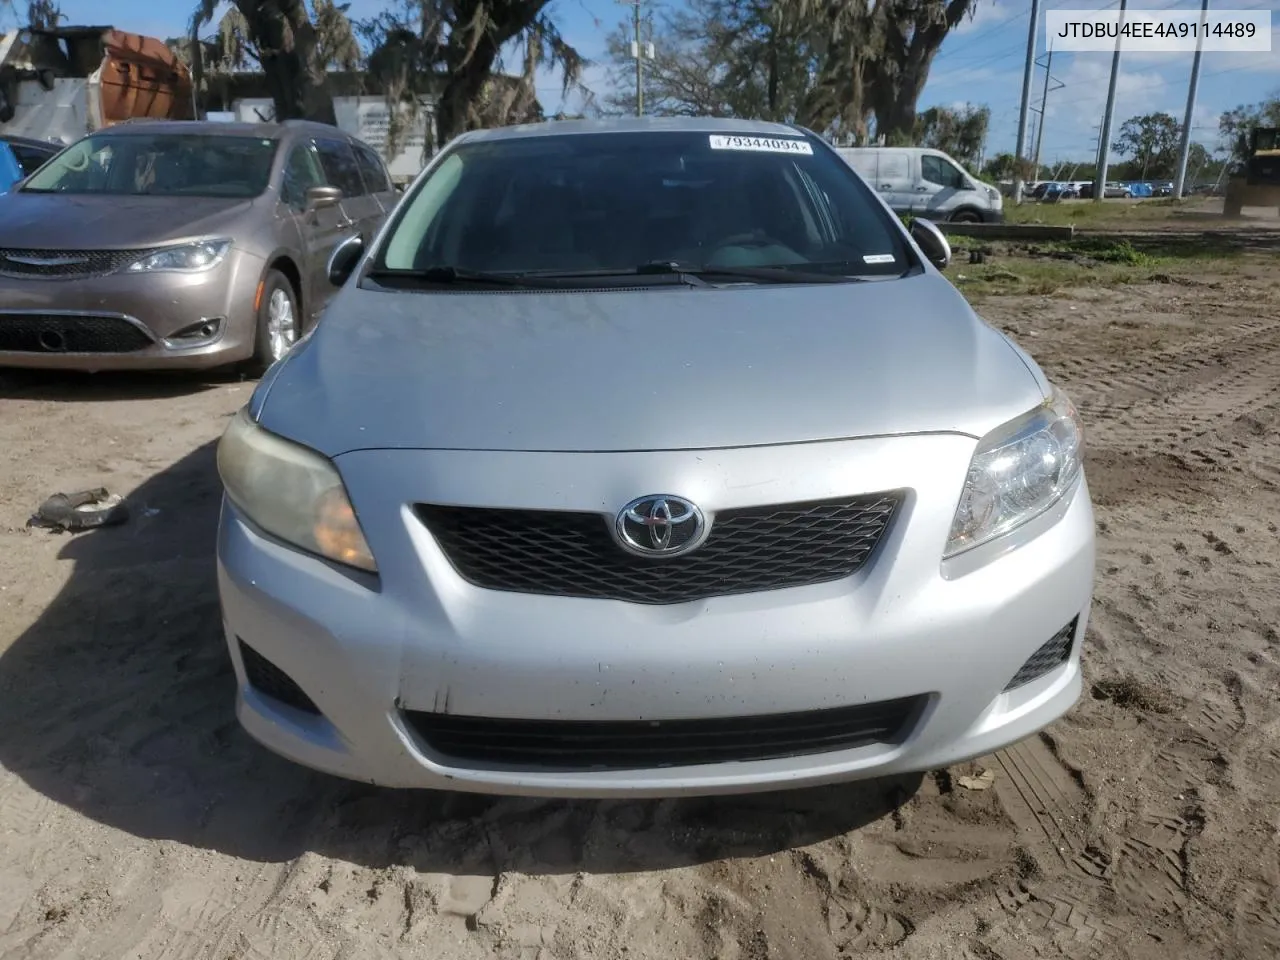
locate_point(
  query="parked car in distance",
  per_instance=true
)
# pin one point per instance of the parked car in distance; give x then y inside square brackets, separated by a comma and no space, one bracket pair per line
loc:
[1111,191]
[926,183]
[31,154]
[178,244]
[742,497]
[1054,192]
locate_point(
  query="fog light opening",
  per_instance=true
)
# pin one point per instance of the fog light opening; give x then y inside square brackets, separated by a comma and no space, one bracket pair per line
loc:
[53,341]
[1052,654]
[196,334]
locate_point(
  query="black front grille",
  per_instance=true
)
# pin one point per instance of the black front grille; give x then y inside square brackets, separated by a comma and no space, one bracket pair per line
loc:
[1052,654]
[647,744]
[575,554]
[270,681]
[65,264]
[75,333]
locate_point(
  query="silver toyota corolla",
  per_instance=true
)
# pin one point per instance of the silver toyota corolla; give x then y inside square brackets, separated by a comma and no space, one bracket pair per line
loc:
[644,458]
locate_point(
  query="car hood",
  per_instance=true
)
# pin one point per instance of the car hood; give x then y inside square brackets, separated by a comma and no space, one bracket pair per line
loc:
[53,221]
[668,369]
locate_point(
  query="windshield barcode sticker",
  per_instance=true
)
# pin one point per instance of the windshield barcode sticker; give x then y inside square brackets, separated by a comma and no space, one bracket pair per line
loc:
[761,144]
[879,258]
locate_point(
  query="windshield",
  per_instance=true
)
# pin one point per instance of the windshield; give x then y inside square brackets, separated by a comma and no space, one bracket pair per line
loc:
[615,202]
[174,165]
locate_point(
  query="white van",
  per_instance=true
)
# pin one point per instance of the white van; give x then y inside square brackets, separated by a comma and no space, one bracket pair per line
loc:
[925,182]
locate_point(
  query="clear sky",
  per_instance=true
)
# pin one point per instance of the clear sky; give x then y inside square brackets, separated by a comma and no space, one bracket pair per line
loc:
[981,63]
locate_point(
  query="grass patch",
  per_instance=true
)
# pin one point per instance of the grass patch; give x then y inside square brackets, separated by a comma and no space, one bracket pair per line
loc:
[1040,277]
[1103,250]
[1084,213]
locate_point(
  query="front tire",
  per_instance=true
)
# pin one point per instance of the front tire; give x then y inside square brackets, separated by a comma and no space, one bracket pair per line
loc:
[278,323]
[966,216]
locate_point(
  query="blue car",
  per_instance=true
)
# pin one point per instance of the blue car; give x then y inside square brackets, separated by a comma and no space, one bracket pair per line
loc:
[10,169]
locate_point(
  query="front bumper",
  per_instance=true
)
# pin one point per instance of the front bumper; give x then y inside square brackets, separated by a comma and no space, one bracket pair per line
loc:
[128,322]
[420,638]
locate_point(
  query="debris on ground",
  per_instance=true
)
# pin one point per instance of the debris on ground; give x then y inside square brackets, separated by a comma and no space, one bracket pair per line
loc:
[80,511]
[982,781]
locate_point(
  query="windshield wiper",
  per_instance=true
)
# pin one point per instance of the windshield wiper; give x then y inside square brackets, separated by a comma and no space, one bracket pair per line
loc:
[451,274]
[782,274]
[699,276]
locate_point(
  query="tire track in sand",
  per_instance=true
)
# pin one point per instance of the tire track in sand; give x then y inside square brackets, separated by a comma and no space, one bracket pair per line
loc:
[1241,377]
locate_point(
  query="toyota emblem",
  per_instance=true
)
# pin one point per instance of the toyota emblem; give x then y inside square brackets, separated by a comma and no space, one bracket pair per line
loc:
[660,525]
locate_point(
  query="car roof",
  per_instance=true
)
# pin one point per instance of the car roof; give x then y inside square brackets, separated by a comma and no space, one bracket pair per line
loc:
[564,128]
[31,142]
[212,128]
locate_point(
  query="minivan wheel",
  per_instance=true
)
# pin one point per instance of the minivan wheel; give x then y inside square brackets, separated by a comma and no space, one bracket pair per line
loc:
[278,322]
[966,216]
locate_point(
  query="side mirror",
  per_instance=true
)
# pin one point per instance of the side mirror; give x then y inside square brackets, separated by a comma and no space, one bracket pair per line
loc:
[321,197]
[343,260]
[932,242]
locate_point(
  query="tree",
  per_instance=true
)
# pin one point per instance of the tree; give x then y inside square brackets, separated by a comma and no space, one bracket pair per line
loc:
[914,31]
[829,65]
[718,58]
[40,14]
[281,38]
[456,45]
[958,132]
[1002,166]
[1235,125]
[1152,140]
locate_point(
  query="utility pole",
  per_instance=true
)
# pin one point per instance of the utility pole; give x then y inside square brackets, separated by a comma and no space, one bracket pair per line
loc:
[639,62]
[1184,148]
[1021,152]
[1104,140]
[1044,100]
[640,51]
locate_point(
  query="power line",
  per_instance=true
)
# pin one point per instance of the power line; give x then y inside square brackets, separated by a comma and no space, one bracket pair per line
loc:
[985,33]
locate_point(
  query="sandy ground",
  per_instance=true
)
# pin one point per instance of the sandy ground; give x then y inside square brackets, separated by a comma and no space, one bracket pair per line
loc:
[137,821]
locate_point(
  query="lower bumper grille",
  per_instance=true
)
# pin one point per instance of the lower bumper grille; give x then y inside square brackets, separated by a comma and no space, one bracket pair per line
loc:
[629,745]
[1052,654]
[575,555]
[270,681]
[69,333]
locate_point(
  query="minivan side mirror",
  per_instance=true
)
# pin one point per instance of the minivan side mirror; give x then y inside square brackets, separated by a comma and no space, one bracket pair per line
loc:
[320,197]
[343,260]
[932,242]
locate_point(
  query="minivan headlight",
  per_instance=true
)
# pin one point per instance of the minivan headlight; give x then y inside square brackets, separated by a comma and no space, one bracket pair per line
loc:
[185,258]
[1018,471]
[291,492]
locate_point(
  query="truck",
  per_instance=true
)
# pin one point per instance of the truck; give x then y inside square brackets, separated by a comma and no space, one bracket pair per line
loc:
[1256,182]
[60,83]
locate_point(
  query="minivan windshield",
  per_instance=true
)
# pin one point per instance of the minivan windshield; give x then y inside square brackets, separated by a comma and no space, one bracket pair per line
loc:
[166,164]
[783,208]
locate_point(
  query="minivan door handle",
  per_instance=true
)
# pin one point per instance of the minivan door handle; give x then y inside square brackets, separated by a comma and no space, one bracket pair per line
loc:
[886,186]
[922,189]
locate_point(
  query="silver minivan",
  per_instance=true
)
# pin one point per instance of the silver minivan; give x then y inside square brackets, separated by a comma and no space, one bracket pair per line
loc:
[926,183]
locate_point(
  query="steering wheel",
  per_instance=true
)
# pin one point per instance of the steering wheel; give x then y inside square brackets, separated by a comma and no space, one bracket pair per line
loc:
[77,161]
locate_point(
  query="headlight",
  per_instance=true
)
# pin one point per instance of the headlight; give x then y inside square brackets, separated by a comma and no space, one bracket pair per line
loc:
[187,258]
[291,492]
[1018,471]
